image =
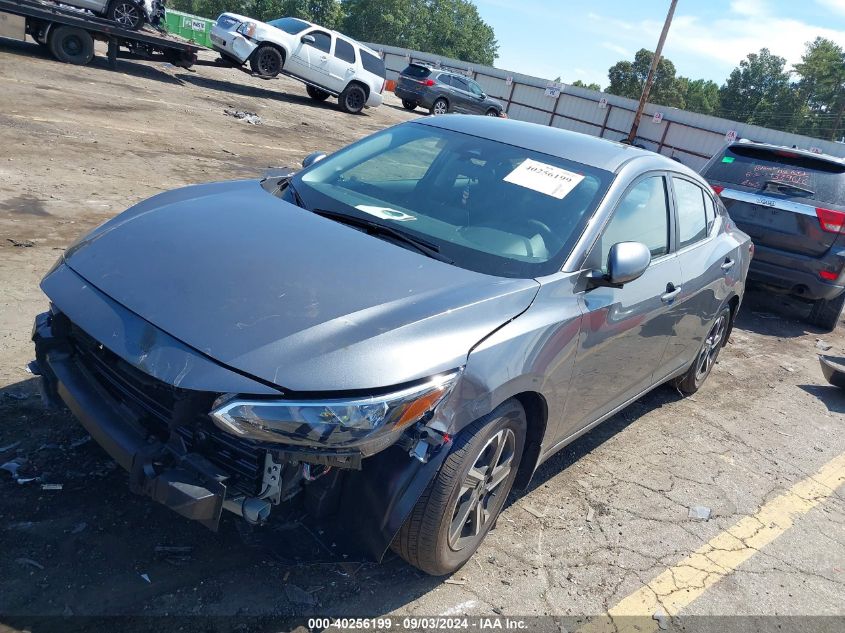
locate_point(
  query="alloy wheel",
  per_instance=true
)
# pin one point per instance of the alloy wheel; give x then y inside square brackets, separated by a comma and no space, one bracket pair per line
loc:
[440,107]
[710,348]
[126,14]
[480,488]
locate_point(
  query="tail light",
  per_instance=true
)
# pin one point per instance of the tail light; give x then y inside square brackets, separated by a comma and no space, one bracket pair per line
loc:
[829,275]
[428,82]
[717,189]
[830,220]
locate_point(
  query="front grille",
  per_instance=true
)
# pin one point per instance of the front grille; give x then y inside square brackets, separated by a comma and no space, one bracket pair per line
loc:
[163,408]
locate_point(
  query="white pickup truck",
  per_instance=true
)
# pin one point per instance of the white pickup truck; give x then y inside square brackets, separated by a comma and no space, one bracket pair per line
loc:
[328,62]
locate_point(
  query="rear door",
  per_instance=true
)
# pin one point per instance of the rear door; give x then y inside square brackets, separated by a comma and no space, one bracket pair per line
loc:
[341,65]
[461,95]
[782,199]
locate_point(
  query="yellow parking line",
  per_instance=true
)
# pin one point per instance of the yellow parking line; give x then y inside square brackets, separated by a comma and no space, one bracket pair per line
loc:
[679,585]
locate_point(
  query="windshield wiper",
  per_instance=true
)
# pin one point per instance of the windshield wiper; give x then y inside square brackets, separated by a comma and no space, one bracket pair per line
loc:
[296,197]
[789,185]
[425,247]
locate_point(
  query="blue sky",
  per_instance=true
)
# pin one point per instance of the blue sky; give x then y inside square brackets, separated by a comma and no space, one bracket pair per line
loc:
[581,39]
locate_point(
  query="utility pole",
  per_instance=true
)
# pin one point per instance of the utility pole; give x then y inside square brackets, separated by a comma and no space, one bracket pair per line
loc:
[651,72]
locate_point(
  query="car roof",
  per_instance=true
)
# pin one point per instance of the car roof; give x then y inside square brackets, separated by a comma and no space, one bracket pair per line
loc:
[589,150]
[351,40]
[783,148]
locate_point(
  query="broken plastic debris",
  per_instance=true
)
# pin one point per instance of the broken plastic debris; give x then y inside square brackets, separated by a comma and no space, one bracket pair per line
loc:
[30,562]
[699,513]
[79,527]
[591,513]
[80,442]
[147,578]
[19,471]
[823,345]
[9,447]
[52,486]
[533,511]
[249,117]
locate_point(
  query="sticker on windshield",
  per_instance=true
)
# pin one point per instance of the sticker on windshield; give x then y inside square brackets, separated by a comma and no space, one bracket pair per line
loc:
[386,213]
[548,179]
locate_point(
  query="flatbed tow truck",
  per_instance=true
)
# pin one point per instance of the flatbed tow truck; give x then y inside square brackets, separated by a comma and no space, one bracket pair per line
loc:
[69,35]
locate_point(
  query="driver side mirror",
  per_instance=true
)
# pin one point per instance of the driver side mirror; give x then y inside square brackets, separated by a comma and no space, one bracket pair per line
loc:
[626,262]
[307,39]
[313,157]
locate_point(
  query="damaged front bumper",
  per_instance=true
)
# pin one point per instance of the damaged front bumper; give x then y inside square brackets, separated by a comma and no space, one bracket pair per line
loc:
[176,456]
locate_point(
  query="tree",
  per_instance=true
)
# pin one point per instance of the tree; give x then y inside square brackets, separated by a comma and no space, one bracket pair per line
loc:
[699,95]
[627,80]
[757,91]
[581,84]
[822,88]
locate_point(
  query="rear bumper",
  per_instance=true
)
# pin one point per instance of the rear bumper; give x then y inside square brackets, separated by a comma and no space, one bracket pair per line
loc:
[798,275]
[375,99]
[189,484]
[408,95]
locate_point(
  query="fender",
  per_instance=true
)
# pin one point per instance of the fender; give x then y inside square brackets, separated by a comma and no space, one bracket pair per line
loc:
[379,498]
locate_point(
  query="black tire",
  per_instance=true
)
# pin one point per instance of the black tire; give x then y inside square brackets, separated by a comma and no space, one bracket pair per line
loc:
[492,112]
[440,106]
[435,538]
[409,105]
[316,94]
[126,13]
[352,99]
[71,45]
[826,313]
[705,359]
[266,61]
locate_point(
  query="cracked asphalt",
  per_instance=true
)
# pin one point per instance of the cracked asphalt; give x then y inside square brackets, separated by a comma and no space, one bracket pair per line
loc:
[604,528]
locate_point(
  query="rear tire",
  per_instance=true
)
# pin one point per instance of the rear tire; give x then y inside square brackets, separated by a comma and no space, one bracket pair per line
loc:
[440,106]
[352,99]
[266,61]
[463,501]
[316,93]
[826,313]
[704,361]
[493,112]
[127,14]
[71,45]
[409,105]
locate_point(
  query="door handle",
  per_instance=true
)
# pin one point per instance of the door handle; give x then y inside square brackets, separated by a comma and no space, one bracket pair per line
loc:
[729,263]
[672,291]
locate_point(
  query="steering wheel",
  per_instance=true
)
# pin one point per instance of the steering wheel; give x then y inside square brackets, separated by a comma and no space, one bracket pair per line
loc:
[545,232]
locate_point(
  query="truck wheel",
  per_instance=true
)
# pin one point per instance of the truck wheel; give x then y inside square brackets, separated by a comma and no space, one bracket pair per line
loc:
[352,99]
[267,61]
[409,105]
[463,501]
[691,381]
[71,45]
[826,313]
[316,93]
[441,106]
[127,14]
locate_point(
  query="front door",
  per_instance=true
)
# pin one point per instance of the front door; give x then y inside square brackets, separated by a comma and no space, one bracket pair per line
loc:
[625,331]
[309,60]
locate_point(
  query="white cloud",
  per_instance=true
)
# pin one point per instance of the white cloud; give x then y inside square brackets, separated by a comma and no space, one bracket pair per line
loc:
[837,6]
[617,49]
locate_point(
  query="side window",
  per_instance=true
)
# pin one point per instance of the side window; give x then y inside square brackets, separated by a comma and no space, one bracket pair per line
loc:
[344,50]
[446,80]
[709,212]
[322,41]
[460,84]
[475,89]
[692,220]
[641,216]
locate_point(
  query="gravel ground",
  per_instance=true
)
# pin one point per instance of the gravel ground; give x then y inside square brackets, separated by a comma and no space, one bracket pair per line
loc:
[601,519]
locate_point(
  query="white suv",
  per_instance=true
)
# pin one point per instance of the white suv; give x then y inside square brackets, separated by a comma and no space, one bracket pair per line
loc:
[327,61]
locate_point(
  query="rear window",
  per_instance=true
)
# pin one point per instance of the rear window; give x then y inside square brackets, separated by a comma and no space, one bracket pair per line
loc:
[344,50]
[417,72]
[763,169]
[289,25]
[372,64]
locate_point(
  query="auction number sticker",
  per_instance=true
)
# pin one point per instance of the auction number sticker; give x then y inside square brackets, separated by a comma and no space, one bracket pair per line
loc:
[547,179]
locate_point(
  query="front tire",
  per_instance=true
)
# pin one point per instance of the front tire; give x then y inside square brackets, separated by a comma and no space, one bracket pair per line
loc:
[71,45]
[826,313]
[440,106]
[316,93]
[127,14]
[704,361]
[352,99]
[462,502]
[493,112]
[267,61]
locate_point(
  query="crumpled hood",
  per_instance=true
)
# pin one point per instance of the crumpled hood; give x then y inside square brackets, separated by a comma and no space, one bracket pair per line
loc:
[288,296]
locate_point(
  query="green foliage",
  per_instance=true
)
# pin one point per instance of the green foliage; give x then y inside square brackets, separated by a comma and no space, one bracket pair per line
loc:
[581,84]
[699,95]
[628,78]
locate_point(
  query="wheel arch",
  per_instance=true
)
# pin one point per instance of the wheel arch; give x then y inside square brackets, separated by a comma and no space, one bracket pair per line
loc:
[358,82]
[536,415]
[275,45]
[733,304]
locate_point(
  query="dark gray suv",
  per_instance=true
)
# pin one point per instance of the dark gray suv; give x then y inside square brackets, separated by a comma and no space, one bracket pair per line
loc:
[442,91]
[792,204]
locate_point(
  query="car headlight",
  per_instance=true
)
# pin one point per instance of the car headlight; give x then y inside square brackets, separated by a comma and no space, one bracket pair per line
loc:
[247,28]
[366,424]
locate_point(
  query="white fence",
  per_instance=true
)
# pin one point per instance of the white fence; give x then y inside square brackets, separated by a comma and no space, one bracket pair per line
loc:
[692,138]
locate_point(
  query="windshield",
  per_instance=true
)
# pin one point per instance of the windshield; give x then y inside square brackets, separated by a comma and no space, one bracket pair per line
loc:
[790,173]
[289,25]
[489,207]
